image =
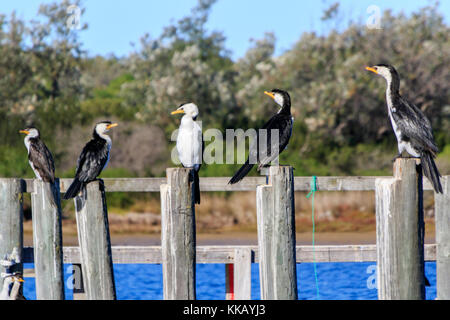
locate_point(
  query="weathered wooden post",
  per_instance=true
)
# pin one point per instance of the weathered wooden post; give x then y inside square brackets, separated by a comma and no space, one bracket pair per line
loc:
[47,238]
[276,235]
[11,222]
[178,241]
[242,274]
[95,243]
[400,233]
[442,219]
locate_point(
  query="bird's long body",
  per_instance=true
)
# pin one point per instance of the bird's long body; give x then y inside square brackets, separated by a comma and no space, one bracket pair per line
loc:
[93,159]
[39,156]
[190,143]
[411,127]
[264,149]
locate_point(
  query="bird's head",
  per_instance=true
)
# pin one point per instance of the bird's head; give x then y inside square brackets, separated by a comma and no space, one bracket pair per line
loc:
[17,276]
[104,126]
[190,109]
[10,278]
[386,71]
[30,132]
[281,97]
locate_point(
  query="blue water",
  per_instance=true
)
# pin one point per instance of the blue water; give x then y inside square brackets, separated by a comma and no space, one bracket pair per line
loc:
[337,281]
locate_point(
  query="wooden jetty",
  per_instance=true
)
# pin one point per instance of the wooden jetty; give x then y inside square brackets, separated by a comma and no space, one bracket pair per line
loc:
[400,252]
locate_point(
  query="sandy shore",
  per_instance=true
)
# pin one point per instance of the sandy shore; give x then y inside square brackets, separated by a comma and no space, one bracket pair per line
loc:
[235,238]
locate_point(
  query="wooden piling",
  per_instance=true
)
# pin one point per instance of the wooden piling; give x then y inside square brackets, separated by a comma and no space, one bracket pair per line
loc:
[95,243]
[400,233]
[242,274]
[276,235]
[47,238]
[442,220]
[178,241]
[11,222]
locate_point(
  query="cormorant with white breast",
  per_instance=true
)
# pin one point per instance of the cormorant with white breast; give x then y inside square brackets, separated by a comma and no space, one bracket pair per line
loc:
[190,143]
[281,121]
[411,127]
[39,157]
[93,159]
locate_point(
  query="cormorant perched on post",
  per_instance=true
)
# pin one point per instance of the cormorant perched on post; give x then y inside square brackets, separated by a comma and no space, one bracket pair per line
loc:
[39,157]
[93,159]
[283,122]
[190,143]
[412,128]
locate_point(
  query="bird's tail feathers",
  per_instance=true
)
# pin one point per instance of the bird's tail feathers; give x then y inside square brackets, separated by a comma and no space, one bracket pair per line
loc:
[241,173]
[74,189]
[431,171]
[196,187]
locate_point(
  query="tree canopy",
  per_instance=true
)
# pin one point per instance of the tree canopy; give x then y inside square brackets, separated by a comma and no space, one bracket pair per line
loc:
[341,124]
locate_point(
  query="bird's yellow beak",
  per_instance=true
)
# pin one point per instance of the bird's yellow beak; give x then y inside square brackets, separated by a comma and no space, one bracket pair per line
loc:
[270,94]
[177,111]
[24,131]
[372,69]
[112,125]
[20,280]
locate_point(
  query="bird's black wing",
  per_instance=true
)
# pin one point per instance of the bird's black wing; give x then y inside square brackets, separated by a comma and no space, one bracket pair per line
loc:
[203,151]
[92,160]
[282,123]
[42,160]
[197,166]
[414,126]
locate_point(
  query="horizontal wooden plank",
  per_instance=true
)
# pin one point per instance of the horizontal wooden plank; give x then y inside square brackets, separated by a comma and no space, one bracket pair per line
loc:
[225,254]
[221,184]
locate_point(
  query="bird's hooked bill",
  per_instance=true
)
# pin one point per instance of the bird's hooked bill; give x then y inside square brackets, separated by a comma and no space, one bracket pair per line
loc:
[371,69]
[177,111]
[112,125]
[24,131]
[270,94]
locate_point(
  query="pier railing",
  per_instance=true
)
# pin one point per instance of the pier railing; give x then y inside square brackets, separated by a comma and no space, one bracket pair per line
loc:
[400,251]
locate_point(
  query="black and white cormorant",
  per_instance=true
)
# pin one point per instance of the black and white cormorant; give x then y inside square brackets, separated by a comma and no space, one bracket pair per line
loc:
[411,127]
[190,143]
[283,122]
[39,157]
[93,159]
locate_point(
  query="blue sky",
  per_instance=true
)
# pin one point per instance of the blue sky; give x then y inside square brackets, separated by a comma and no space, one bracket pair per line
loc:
[113,25]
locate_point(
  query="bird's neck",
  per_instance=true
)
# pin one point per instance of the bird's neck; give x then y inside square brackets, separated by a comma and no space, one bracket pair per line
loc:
[102,136]
[393,87]
[285,109]
[187,121]
[27,141]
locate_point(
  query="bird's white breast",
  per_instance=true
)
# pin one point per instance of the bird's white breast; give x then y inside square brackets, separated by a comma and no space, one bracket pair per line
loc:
[109,144]
[27,145]
[392,109]
[189,142]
